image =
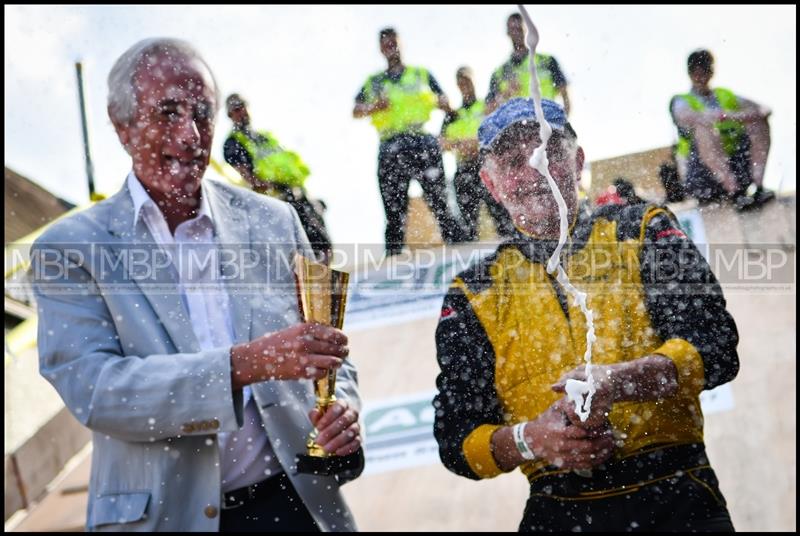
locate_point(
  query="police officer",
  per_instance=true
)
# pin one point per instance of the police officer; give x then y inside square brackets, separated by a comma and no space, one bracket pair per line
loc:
[460,135]
[399,102]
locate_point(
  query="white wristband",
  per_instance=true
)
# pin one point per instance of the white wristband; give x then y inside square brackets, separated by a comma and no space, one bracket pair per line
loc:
[525,451]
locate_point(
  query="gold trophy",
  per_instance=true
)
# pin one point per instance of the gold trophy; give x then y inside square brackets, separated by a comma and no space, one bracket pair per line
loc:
[322,293]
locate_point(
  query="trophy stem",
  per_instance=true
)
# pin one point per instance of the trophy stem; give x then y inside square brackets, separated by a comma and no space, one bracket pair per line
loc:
[322,294]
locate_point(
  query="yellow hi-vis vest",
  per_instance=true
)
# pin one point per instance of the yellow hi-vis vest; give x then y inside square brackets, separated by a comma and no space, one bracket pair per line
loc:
[465,127]
[522,74]
[273,163]
[411,102]
[730,130]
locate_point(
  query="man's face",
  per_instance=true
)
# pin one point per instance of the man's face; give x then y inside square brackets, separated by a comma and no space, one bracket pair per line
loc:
[701,76]
[169,137]
[525,192]
[465,85]
[515,31]
[389,47]
[238,113]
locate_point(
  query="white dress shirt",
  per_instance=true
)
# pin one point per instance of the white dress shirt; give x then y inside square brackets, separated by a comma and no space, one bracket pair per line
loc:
[246,456]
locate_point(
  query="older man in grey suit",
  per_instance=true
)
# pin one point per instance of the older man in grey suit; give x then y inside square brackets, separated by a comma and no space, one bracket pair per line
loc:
[168,323]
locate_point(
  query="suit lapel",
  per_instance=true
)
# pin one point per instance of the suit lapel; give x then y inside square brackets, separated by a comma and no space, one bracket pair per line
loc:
[146,264]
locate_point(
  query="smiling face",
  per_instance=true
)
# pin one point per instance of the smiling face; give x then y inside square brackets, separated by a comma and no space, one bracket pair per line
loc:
[169,137]
[523,190]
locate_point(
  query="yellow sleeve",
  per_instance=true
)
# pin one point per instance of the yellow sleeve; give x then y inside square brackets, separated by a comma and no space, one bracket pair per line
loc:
[477,449]
[691,374]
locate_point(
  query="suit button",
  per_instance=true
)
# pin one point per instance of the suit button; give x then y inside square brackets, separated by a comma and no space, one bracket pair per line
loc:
[210,511]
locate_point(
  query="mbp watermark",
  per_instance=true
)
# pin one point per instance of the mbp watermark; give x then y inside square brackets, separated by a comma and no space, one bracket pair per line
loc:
[96,267]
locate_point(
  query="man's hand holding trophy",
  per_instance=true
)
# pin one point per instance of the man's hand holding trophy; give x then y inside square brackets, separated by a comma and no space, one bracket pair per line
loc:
[335,445]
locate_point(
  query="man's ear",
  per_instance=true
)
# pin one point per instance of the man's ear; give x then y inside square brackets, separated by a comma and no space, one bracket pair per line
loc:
[122,131]
[487,180]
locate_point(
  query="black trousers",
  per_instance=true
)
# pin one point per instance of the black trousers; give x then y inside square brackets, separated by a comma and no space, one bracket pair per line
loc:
[402,158]
[470,191]
[671,489]
[269,506]
[701,183]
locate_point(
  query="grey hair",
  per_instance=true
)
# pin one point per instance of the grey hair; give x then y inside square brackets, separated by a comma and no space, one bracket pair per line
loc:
[121,91]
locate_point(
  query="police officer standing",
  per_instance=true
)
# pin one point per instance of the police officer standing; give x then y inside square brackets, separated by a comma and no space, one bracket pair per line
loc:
[460,135]
[399,102]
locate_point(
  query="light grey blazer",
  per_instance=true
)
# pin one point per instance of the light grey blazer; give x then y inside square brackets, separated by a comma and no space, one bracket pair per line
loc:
[116,342]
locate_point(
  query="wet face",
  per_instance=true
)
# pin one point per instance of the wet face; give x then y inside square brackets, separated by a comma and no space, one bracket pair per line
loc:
[169,138]
[525,192]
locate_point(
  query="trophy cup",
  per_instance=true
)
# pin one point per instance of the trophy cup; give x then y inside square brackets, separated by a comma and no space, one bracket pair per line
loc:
[322,295]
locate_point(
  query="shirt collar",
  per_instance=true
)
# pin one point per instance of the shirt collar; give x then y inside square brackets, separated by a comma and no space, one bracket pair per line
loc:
[141,198]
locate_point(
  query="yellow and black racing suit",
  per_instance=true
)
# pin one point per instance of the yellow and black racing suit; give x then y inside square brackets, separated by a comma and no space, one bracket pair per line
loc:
[508,332]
